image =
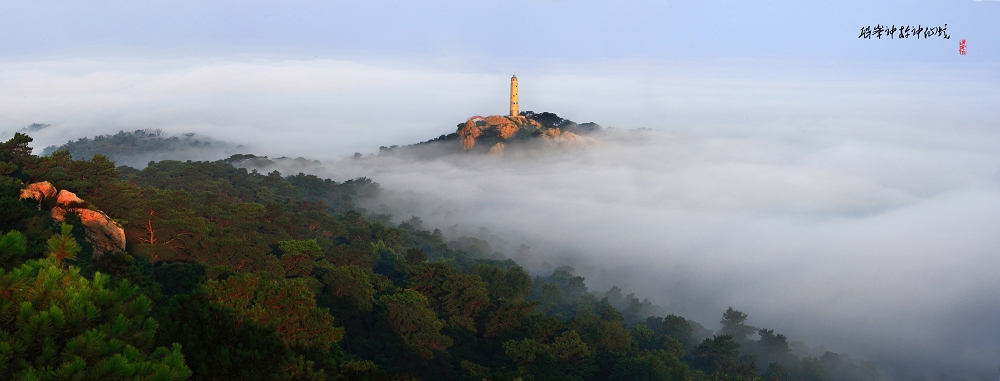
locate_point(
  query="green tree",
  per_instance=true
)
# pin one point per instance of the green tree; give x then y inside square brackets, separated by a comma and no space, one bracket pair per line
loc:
[351,290]
[458,298]
[512,283]
[15,214]
[734,324]
[218,344]
[299,257]
[566,358]
[772,348]
[13,245]
[505,318]
[63,246]
[288,306]
[17,153]
[408,315]
[56,324]
[660,365]
[716,353]
[415,256]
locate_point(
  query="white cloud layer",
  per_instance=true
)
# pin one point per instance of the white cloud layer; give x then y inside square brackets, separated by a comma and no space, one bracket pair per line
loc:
[845,206]
[874,249]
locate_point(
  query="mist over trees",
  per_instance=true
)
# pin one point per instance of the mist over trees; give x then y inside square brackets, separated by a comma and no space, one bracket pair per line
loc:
[137,148]
[231,273]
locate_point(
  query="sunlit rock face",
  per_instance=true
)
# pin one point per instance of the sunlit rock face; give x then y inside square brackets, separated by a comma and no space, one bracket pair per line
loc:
[39,191]
[67,199]
[102,232]
[497,149]
[469,132]
[508,128]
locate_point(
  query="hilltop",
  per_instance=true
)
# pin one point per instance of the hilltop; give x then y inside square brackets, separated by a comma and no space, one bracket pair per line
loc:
[495,134]
[139,147]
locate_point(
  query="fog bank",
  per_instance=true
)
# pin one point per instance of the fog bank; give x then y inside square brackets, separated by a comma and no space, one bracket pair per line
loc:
[881,250]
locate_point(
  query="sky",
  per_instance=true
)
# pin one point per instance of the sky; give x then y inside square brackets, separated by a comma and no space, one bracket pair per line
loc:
[844,191]
[500,30]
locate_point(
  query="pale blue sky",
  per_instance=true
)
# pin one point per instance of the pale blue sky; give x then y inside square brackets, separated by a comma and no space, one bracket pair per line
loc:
[563,30]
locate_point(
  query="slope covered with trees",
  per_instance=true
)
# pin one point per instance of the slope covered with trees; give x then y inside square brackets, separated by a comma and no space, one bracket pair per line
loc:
[230,274]
[136,148]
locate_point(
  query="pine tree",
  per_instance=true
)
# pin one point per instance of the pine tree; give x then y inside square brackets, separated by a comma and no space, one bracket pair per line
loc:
[63,246]
[57,325]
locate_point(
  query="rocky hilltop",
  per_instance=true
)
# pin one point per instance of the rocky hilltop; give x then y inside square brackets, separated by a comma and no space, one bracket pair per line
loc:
[495,133]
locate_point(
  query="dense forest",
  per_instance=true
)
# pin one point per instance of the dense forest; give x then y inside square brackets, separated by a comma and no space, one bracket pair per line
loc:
[229,274]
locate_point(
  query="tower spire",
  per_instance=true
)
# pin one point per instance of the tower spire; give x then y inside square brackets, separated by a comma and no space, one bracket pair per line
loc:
[513,95]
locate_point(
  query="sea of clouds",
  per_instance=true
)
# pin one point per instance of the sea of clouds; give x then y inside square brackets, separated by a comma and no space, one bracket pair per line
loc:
[852,207]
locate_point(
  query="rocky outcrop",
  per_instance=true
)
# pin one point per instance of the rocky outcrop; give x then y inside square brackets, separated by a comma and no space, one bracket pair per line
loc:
[102,232]
[556,136]
[38,191]
[501,131]
[504,126]
[497,149]
[469,132]
[501,127]
[67,199]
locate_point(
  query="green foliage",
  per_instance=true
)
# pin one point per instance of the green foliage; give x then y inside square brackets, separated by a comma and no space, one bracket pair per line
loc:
[512,283]
[772,348]
[13,245]
[218,344]
[659,365]
[63,246]
[15,150]
[716,353]
[408,315]
[14,213]
[457,298]
[308,248]
[351,287]
[363,371]
[137,147]
[58,325]
[299,257]
[287,306]
[733,324]
[566,358]
[415,256]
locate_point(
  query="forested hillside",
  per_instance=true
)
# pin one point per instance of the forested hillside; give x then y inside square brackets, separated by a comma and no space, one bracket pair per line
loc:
[136,148]
[234,275]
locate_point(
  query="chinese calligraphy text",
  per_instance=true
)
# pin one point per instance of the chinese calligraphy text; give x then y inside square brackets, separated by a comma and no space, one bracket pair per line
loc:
[918,31]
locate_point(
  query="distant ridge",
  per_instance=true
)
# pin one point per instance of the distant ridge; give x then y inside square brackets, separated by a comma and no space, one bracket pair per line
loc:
[139,147]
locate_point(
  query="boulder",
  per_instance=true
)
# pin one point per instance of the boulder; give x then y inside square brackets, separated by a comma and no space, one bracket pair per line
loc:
[38,191]
[102,232]
[67,199]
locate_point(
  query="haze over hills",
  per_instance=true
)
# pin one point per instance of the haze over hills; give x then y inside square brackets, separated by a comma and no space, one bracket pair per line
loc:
[702,222]
[697,221]
[461,251]
[478,134]
[139,147]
